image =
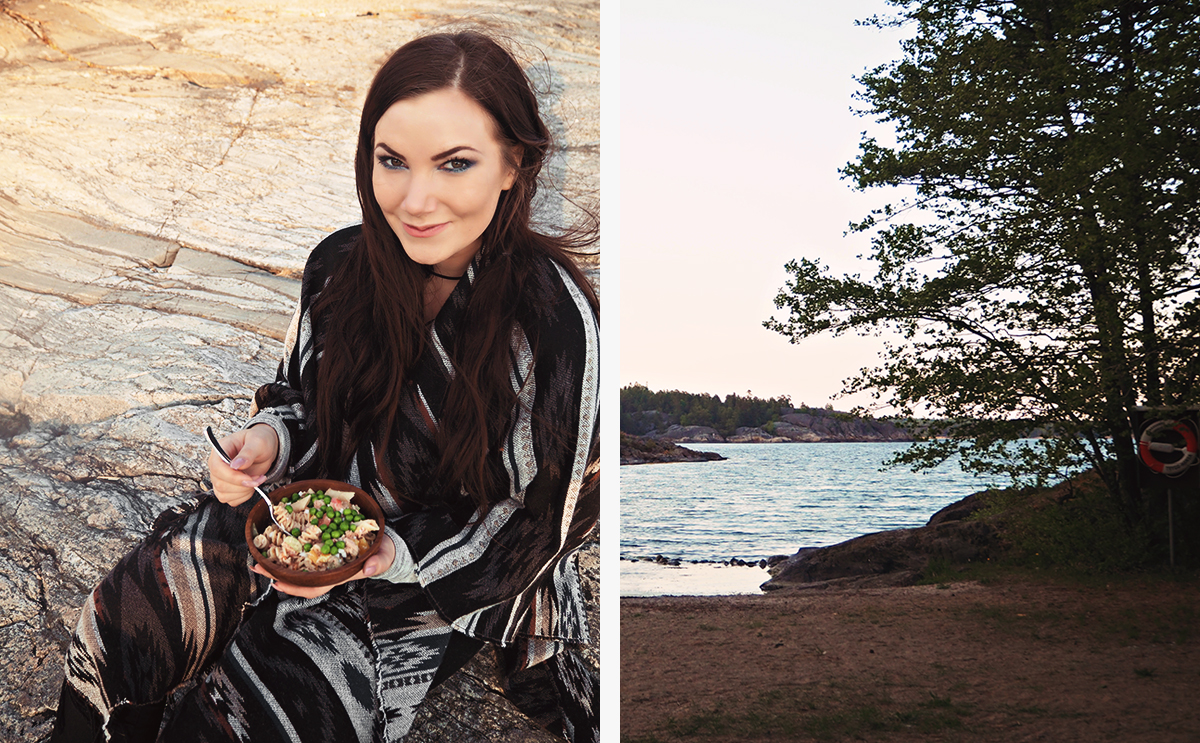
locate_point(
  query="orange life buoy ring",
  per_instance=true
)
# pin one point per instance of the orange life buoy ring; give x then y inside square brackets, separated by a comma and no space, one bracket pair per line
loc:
[1147,447]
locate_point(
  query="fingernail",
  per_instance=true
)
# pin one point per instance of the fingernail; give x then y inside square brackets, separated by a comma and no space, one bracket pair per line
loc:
[369,569]
[238,463]
[248,483]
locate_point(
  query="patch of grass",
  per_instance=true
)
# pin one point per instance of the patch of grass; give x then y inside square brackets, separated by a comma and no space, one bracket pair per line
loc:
[937,570]
[778,714]
[1130,627]
[934,715]
[838,725]
[1144,673]
[993,613]
[1032,710]
[1164,624]
[1173,624]
[770,714]
[1031,622]
[1179,626]
[943,572]
[707,627]
[1076,526]
[870,615]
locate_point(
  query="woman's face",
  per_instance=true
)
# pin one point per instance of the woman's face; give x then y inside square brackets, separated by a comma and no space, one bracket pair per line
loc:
[438,174]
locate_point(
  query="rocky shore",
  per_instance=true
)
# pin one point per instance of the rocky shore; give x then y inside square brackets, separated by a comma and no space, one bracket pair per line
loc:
[887,559]
[660,443]
[732,562]
[165,167]
[807,426]
[645,450]
[899,557]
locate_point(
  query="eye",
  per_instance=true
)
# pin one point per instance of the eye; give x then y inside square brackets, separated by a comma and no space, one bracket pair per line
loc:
[457,164]
[391,163]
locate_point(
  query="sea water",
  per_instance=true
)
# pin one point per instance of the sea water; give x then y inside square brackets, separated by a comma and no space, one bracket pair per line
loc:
[765,500]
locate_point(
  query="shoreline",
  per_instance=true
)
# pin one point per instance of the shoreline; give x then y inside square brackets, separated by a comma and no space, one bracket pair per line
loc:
[649,579]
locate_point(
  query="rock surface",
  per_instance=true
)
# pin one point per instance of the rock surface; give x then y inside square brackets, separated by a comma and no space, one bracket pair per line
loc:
[899,557]
[165,167]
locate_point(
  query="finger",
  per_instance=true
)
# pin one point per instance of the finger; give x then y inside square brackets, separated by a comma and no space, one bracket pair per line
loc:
[305,592]
[370,567]
[227,484]
[308,592]
[224,474]
[233,446]
[380,561]
[231,486]
[244,454]
[259,447]
[375,565]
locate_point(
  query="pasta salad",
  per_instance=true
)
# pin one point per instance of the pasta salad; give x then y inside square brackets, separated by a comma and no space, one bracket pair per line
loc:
[326,531]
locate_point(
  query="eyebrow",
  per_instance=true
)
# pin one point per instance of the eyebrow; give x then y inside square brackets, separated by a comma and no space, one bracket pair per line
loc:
[439,156]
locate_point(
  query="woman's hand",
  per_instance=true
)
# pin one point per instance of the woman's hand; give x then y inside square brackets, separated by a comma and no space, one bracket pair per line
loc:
[375,564]
[252,452]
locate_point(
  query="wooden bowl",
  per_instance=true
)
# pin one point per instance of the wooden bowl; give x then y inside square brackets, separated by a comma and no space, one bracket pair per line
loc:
[259,519]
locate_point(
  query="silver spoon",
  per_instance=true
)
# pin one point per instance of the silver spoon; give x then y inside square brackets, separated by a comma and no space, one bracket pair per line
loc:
[212,438]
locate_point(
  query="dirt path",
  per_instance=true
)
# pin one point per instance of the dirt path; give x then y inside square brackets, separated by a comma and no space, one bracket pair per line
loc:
[1030,661]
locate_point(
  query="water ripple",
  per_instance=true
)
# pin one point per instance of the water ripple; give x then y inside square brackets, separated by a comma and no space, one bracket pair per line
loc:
[772,499]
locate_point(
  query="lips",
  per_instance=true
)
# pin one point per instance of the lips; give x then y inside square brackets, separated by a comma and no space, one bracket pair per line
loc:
[428,230]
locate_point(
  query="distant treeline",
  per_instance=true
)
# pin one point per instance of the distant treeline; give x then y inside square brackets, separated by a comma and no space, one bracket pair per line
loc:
[643,410]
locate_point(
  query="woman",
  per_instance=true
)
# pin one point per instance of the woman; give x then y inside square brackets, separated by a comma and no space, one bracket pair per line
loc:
[444,358]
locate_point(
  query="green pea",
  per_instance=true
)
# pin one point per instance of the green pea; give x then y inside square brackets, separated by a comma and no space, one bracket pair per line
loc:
[341,545]
[296,531]
[325,549]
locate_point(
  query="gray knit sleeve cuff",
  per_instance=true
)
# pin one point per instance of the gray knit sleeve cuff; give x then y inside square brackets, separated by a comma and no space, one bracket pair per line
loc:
[279,468]
[404,568]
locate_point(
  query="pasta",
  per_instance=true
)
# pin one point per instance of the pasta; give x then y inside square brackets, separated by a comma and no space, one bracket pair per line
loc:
[325,531]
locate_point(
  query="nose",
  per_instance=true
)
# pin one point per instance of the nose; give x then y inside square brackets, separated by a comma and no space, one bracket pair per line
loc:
[419,197]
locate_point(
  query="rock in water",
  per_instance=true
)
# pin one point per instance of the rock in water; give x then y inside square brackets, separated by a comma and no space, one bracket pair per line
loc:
[166,169]
[899,557]
[646,450]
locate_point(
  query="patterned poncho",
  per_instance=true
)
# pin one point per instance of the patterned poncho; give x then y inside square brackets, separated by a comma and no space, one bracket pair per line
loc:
[181,617]
[510,576]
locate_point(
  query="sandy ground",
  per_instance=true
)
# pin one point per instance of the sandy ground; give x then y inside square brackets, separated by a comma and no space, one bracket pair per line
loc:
[1030,660]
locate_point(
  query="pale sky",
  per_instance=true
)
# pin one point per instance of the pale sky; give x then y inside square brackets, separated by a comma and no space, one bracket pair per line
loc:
[735,118]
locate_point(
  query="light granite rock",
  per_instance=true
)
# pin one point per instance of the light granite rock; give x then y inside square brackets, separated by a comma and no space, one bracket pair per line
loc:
[165,168]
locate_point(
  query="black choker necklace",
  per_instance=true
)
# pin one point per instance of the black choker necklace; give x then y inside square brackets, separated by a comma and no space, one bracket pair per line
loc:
[431,272]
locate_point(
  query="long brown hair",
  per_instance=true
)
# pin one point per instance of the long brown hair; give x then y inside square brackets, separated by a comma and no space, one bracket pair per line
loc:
[372,309]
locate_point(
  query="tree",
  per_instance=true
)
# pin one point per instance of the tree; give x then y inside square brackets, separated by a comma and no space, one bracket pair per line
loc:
[1043,271]
[690,409]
